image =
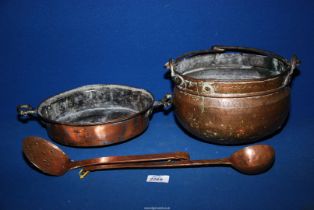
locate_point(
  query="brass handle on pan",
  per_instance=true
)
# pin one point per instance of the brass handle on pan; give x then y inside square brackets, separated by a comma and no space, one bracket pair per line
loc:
[165,102]
[25,111]
[162,104]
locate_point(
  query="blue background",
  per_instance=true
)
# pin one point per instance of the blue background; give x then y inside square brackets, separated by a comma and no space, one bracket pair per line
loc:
[48,47]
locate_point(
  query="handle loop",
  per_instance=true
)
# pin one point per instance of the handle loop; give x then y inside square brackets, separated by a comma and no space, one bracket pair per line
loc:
[290,65]
[26,111]
[163,103]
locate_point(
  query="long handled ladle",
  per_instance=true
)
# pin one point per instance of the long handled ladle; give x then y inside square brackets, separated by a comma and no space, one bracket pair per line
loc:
[249,160]
[50,159]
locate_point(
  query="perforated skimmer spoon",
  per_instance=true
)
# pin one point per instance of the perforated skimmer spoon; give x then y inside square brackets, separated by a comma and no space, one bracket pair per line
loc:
[51,160]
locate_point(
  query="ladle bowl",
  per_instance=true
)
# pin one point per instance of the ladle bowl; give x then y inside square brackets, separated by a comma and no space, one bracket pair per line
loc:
[253,159]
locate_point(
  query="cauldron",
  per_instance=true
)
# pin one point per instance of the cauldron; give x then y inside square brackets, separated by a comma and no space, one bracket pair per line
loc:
[231,95]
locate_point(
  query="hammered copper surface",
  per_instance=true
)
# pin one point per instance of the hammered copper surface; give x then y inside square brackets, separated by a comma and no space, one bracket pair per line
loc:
[98,135]
[231,98]
[95,115]
[231,120]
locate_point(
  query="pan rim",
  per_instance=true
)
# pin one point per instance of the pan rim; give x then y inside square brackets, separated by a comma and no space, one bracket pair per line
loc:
[87,87]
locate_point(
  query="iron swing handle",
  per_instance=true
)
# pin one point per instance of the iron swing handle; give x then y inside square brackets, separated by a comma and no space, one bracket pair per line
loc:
[291,65]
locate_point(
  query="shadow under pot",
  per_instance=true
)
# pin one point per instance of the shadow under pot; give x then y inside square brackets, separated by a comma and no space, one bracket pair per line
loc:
[95,115]
[231,95]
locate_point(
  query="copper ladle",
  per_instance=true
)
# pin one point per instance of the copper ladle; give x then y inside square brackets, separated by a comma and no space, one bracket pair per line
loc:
[249,160]
[51,160]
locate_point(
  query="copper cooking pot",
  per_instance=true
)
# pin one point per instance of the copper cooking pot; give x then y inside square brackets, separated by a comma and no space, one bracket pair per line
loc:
[231,95]
[95,115]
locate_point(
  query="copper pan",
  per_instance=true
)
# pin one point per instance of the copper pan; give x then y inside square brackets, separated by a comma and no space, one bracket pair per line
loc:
[95,115]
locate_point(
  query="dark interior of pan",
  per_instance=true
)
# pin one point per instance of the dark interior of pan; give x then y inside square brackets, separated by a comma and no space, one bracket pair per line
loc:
[95,104]
[230,66]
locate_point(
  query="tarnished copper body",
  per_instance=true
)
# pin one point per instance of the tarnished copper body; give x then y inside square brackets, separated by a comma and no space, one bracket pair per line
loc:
[234,111]
[95,115]
[98,135]
[232,120]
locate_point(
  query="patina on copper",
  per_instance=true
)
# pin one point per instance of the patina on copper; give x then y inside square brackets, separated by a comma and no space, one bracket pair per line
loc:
[51,160]
[95,115]
[231,98]
[249,160]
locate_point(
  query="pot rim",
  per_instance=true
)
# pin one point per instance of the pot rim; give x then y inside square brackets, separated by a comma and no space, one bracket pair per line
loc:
[282,61]
[238,87]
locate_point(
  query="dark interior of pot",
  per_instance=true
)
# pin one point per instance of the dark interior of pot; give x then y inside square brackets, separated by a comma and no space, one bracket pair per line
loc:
[230,66]
[95,104]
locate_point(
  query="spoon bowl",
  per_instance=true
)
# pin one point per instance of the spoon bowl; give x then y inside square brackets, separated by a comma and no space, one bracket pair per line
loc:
[253,159]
